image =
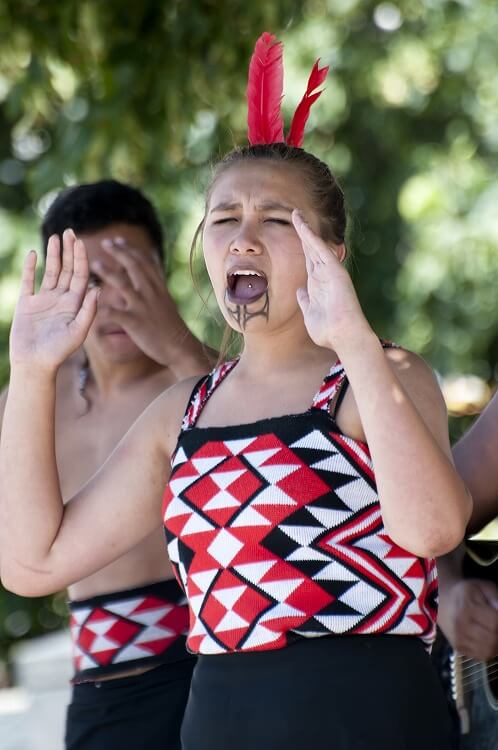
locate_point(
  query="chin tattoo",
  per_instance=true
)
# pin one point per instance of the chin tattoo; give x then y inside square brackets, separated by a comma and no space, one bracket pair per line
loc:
[241,313]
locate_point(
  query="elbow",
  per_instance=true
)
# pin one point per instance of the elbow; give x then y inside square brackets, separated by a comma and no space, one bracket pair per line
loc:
[444,543]
[26,583]
[438,538]
[434,543]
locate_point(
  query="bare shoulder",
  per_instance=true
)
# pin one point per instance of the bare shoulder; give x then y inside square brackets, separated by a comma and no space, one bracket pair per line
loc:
[166,412]
[421,385]
[3,401]
[416,376]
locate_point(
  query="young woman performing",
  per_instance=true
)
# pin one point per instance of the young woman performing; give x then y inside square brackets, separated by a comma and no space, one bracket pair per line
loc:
[302,515]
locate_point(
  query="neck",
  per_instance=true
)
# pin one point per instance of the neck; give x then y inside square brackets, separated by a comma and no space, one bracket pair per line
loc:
[280,352]
[106,378]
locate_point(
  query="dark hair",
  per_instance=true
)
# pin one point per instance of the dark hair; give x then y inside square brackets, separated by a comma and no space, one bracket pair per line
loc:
[326,194]
[92,207]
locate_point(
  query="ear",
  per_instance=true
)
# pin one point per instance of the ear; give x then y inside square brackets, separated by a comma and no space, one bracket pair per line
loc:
[340,251]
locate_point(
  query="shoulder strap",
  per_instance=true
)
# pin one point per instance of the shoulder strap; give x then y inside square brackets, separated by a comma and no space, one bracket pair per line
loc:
[329,387]
[202,391]
[335,385]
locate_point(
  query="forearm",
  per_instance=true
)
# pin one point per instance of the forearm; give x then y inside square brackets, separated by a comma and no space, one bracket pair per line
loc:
[425,505]
[475,460]
[449,568]
[184,354]
[30,497]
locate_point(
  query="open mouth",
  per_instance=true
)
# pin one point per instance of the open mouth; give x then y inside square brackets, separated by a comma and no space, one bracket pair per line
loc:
[245,286]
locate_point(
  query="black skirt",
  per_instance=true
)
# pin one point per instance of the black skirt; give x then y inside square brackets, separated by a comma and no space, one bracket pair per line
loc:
[128,713]
[332,693]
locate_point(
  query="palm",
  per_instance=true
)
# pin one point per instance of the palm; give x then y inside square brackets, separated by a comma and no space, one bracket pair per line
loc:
[50,325]
[329,303]
[331,300]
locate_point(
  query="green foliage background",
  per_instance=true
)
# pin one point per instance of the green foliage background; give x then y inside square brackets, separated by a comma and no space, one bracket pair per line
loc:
[153,92]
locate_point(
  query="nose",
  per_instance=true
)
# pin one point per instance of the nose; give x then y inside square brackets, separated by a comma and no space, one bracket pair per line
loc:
[110,297]
[246,241]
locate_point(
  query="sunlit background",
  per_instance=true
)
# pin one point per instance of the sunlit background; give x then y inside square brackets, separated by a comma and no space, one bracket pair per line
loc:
[152,94]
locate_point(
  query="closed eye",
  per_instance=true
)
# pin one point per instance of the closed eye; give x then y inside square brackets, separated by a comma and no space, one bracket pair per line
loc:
[225,220]
[94,280]
[284,222]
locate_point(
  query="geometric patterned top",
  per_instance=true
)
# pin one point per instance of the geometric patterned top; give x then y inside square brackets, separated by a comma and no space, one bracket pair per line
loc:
[275,533]
[124,630]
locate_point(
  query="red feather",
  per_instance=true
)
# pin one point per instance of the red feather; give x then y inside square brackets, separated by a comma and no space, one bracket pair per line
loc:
[296,132]
[264,91]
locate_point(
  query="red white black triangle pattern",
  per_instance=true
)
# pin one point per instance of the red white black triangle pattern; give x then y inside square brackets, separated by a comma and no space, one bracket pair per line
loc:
[276,534]
[118,629]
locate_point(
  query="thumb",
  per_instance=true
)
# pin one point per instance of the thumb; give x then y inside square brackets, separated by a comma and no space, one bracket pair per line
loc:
[84,319]
[303,299]
[490,593]
[122,317]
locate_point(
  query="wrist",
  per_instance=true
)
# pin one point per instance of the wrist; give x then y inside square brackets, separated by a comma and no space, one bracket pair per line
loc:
[357,340]
[182,352]
[30,373]
[190,358]
[450,568]
[171,345]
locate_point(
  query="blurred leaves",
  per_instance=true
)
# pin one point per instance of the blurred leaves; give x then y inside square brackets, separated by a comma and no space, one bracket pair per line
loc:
[150,94]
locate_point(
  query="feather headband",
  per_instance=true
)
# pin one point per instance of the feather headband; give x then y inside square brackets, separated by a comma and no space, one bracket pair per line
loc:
[265,91]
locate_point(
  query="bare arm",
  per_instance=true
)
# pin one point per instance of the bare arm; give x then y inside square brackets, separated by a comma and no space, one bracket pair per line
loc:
[3,402]
[468,609]
[425,505]
[476,461]
[45,545]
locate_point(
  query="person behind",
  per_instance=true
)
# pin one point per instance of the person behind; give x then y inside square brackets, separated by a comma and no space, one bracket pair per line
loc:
[129,617]
[469,607]
[468,601]
[311,482]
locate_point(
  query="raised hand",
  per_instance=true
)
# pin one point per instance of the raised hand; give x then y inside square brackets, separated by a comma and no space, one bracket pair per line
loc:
[329,304]
[50,325]
[148,313]
[468,616]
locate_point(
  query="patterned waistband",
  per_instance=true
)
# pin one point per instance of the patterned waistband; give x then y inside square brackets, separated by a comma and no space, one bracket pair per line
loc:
[127,629]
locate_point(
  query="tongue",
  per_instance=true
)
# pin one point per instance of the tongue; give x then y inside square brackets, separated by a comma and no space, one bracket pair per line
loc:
[247,289]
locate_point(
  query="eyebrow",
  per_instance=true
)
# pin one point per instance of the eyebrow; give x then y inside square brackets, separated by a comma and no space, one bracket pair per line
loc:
[265,206]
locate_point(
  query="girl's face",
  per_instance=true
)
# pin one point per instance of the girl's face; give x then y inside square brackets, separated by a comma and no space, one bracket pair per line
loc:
[253,254]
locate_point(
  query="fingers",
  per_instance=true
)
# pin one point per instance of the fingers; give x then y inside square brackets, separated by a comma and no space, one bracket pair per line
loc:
[84,318]
[27,286]
[478,642]
[147,257]
[490,593]
[475,621]
[141,267]
[52,264]
[315,249]
[129,270]
[310,266]
[116,279]
[303,300]
[79,279]
[66,274]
